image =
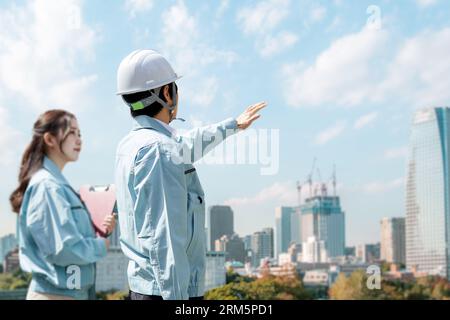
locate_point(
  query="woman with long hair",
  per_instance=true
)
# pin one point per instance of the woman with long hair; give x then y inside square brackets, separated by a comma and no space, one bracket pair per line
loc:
[57,241]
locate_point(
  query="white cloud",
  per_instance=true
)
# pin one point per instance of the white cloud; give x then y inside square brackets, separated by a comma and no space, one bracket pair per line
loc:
[205,92]
[341,74]
[261,20]
[182,40]
[369,66]
[280,192]
[383,186]
[318,14]
[396,153]
[10,139]
[134,7]
[334,25]
[426,3]
[223,7]
[41,47]
[419,71]
[273,45]
[262,17]
[183,45]
[257,211]
[330,133]
[365,120]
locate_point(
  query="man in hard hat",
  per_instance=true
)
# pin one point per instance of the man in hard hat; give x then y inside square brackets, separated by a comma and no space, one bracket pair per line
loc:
[160,199]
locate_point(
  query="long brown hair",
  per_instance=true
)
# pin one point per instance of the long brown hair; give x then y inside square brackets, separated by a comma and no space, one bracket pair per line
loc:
[55,122]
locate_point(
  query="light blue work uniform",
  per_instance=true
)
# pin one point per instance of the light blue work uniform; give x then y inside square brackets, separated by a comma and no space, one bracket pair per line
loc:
[161,206]
[57,241]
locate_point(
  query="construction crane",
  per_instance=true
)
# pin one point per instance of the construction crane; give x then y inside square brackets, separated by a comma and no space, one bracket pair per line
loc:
[308,181]
[310,176]
[334,180]
[299,193]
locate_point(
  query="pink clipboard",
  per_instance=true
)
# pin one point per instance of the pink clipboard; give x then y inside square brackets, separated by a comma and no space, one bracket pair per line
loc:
[100,202]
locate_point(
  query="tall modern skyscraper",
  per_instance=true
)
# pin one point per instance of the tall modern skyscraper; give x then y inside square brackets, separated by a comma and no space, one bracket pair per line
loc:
[296,232]
[393,240]
[287,228]
[428,192]
[323,219]
[262,245]
[219,222]
[269,241]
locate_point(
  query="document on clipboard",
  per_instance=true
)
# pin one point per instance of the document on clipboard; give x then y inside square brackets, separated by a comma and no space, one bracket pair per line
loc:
[101,202]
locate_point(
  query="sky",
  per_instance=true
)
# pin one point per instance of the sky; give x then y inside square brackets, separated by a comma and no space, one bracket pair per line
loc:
[342,80]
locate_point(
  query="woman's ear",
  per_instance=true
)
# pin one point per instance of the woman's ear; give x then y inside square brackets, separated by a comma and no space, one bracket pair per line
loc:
[49,140]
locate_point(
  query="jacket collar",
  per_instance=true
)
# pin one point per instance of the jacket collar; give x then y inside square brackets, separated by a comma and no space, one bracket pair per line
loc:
[53,169]
[145,122]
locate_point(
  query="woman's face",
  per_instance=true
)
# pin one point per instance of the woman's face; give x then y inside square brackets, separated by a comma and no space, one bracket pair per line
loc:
[71,147]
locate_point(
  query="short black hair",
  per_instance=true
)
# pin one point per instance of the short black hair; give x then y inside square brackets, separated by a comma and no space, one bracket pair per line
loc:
[153,109]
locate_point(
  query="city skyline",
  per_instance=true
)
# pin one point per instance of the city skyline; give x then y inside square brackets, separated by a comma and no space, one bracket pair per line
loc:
[342,80]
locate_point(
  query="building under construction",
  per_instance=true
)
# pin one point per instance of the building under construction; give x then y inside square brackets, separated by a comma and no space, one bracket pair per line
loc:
[322,221]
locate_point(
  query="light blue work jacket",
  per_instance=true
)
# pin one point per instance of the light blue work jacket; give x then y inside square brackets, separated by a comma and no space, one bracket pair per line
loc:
[57,241]
[161,206]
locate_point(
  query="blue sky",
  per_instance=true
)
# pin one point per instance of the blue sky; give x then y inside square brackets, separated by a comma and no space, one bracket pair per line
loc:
[342,79]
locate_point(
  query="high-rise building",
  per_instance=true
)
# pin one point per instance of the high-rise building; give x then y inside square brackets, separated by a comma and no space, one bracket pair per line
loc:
[350,251]
[428,193]
[262,245]
[215,273]
[314,251]
[287,228]
[233,246]
[296,237]
[323,219]
[291,256]
[393,240]
[219,222]
[7,244]
[368,253]
[248,242]
[11,263]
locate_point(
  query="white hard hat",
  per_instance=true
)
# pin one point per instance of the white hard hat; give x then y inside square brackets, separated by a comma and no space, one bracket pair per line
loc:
[144,70]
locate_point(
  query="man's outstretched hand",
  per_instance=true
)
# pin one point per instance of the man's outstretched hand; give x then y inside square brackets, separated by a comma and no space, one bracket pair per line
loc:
[250,115]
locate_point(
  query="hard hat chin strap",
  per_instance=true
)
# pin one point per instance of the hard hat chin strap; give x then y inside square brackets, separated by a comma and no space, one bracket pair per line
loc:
[155,98]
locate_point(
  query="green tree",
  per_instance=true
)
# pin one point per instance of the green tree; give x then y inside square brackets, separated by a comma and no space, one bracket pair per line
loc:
[232,276]
[353,287]
[17,280]
[112,295]
[266,288]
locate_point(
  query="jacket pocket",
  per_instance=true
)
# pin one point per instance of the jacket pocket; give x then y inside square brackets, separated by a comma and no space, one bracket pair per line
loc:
[196,213]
